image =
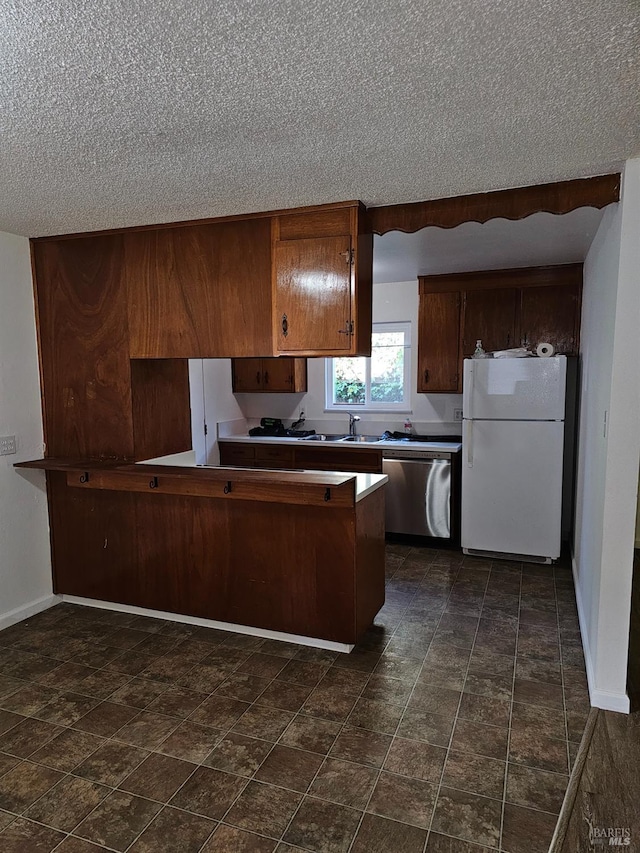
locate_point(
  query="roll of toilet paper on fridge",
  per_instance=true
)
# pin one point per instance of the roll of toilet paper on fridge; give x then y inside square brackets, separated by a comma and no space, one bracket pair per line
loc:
[545,350]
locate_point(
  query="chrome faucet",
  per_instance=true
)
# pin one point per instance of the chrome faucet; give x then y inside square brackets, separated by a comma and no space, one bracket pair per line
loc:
[353,419]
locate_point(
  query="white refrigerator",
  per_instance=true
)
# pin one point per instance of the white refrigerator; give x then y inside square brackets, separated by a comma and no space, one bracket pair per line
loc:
[512,464]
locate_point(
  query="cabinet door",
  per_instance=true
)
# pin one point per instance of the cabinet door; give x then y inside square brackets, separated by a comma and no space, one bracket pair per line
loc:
[277,374]
[246,375]
[274,456]
[489,316]
[438,342]
[552,315]
[239,455]
[200,291]
[313,285]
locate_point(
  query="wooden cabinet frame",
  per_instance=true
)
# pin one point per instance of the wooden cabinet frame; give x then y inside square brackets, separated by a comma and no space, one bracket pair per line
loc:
[451,334]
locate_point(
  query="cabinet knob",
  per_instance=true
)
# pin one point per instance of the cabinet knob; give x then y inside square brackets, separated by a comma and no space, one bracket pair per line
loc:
[426,376]
[285,325]
[266,377]
[257,377]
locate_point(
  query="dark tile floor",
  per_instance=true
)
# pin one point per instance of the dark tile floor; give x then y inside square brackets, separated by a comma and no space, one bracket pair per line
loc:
[450,729]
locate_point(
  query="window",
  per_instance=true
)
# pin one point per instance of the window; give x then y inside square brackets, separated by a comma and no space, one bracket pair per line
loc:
[380,383]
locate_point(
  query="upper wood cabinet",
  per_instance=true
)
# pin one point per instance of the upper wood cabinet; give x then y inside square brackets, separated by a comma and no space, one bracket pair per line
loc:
[200,291]
[438,341]
[490,316]
[502,308]
[322,266]
[269,375]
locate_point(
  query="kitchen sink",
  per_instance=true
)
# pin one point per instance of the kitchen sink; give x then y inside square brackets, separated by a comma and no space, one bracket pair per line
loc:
[325,437]
[361,438]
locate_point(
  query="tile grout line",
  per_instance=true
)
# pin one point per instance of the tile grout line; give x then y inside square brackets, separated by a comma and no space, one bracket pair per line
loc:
[324,758]
[456,715]
[562,682]
[398,724]
[513,690]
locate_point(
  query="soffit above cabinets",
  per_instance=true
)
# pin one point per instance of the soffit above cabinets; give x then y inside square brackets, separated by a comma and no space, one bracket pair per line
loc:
[117,114]
[537,240]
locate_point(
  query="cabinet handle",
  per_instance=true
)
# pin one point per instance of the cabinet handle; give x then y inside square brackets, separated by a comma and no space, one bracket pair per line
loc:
[257,377]
[508,338]
[285,325]
[153,483]
[266,377]
[426,376]
[525,342]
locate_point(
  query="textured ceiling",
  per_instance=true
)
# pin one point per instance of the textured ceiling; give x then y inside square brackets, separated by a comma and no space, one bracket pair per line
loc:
[135,111]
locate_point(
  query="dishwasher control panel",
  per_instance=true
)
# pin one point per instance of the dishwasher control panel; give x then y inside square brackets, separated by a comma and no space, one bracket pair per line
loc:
[404,453]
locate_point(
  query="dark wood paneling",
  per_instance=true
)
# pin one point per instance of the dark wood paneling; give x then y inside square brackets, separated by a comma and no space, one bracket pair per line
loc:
[367,460]
[224,485]
[306,455]
[438,342]
[370,547]
[274,456]
[83,342]
[551,314]
[200,292]
[489,316]
[282,375]
[546,276]
[93,542]
[292,568]
[322,223]
[161,407]
[516,203]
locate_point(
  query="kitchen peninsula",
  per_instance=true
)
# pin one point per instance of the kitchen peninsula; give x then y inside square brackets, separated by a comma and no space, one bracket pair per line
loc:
[298,553]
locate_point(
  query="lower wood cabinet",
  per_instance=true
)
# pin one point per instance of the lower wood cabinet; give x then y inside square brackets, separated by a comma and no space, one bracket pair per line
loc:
[300,455]
[269,375]
[502,308]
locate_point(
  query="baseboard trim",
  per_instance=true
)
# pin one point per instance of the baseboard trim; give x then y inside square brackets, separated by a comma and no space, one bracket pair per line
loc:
[599,698]
[19,614]
[314,642]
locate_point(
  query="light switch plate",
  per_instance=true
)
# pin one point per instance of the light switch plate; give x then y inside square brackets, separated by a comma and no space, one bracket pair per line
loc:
[7,445]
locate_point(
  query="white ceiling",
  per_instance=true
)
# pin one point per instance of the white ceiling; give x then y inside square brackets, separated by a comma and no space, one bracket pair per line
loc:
[121,113]
[540,239]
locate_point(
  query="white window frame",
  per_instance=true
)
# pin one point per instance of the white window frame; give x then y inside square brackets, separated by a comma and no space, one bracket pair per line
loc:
[368,405]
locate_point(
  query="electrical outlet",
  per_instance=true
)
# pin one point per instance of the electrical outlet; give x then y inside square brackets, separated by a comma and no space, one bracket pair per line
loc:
[457,414]
[7,445]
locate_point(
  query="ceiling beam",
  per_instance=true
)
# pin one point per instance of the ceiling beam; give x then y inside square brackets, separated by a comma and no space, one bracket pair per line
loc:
[507,204]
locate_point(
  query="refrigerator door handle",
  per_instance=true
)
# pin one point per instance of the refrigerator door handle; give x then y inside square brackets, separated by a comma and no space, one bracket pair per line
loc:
[468,425]
[467,392]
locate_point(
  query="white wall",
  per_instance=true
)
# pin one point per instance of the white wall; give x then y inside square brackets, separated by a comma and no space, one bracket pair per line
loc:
[395,302]
[25,564]
[607,479]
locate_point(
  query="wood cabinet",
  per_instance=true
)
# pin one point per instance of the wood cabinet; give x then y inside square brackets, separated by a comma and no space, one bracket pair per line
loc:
[296,554]
[502,308]
[269,375]
[200,291]
[300,455]
[322,267]
[438,341]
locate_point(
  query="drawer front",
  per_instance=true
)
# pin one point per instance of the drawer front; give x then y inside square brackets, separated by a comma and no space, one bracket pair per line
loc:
[368,461]
[274,456]
[237,454]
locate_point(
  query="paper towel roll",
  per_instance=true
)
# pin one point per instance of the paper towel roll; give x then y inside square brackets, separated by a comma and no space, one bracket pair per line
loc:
[545,350]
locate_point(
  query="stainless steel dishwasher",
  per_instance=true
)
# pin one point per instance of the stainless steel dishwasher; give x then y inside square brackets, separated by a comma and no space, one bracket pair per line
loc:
[419,493]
